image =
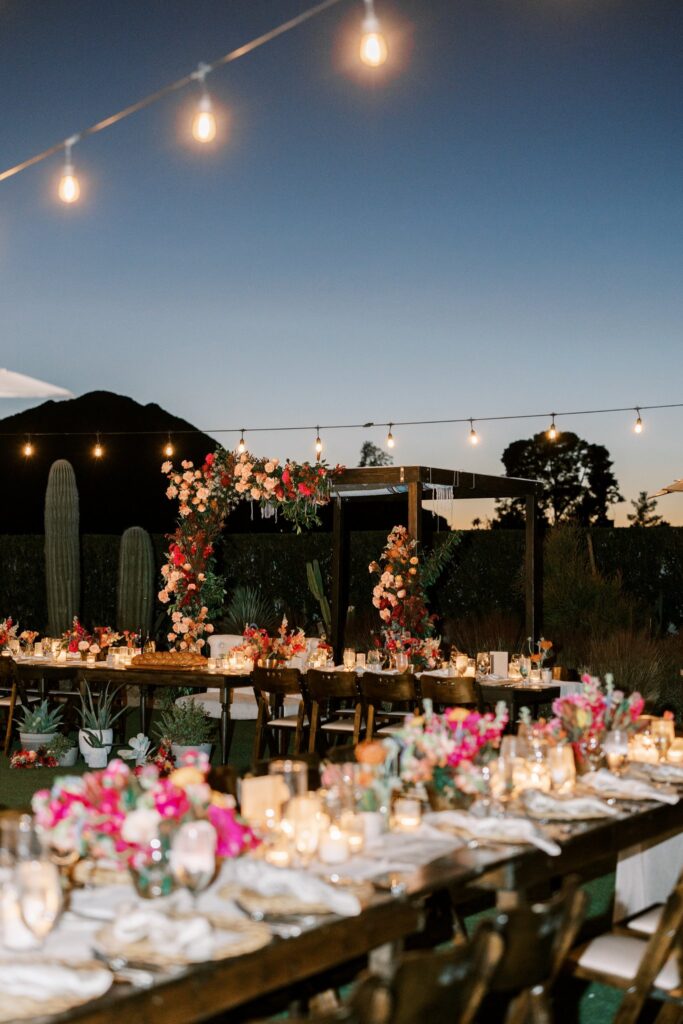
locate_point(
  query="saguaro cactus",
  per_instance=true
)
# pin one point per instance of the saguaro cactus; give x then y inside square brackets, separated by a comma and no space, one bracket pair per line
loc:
[315,585]
[135,591]
[62,553]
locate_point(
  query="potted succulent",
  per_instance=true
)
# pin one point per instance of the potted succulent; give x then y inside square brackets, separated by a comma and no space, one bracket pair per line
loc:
[64,749]
[187,726]
[39,726]
[96,736]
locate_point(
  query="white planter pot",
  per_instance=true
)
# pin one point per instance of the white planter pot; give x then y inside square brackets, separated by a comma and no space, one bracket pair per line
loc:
[36,740]
[178,750]
[68,760]
[93,755]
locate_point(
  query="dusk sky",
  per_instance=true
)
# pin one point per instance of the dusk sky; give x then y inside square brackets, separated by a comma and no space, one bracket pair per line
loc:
[491,224]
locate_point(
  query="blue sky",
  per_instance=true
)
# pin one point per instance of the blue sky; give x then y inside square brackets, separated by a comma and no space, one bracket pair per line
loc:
[491,225]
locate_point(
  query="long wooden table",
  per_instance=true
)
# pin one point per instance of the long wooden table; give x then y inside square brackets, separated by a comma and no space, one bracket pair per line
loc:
[233,985]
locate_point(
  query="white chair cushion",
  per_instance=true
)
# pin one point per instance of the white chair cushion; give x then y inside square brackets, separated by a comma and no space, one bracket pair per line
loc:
[221,643]
[388,730]
[647,923]
[243,708]
[338,725]
[620,956]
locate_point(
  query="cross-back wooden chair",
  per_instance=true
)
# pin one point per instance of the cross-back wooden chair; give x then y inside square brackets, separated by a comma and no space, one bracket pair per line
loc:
[644,968]
[273,725]
[448,692]
[537,939]
[326,691]
[400,692]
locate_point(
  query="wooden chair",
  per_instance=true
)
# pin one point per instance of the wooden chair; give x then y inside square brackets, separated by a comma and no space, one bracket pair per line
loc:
[8,680]
[271,687]
[326,690]
[448,692]
[645,968]
[379,690]
[537,939]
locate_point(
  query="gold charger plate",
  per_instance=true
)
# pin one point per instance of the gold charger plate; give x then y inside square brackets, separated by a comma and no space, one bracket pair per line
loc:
[233,936]
[14,1007]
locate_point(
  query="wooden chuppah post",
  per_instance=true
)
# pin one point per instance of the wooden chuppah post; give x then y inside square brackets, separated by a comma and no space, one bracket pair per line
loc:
[340,576]
[533,570]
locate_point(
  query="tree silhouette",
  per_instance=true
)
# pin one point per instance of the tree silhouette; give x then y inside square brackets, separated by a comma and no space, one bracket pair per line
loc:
[579,482]
[372,455]
[644,512]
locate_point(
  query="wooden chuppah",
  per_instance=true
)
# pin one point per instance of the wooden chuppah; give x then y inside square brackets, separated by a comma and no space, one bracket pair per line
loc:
[397,483]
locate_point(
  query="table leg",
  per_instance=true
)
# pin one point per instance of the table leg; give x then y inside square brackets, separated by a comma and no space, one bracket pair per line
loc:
[227,724]
[143,710]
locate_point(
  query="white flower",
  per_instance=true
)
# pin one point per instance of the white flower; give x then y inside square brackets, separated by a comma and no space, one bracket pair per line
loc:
[269,467]
[141,826]
[83,645]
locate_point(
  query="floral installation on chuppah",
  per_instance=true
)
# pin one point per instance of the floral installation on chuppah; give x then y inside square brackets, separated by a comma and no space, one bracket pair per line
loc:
[398,595]
[206,496]
[117,813]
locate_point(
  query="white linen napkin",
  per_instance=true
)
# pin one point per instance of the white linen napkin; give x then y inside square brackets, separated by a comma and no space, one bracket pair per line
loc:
[604,782]
[102,903]
[656,772]
[267,880]
[499,830]
[542,805]
[191,937]
[43,981]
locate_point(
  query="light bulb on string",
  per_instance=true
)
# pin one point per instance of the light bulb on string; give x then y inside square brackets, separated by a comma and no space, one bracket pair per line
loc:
[638,425]
[474,436]
[28,448]
[98,450]
[168,448]
[204,120]
[318,444]
[242,446]
[69,188]
[553,432]
[373,46]
[390,437]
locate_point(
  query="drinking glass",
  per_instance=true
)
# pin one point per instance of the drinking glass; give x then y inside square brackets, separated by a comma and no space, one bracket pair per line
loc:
[513,667]
[375,661]
[663,735]
[524,668]
[483,663]
[615,746]
[401,661]
[562,768]
[349,658]
[193,855]
[293,773]
[39,895]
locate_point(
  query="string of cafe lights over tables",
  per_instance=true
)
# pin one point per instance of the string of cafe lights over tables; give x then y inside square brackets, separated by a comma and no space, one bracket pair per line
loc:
[553,432]
[373,52]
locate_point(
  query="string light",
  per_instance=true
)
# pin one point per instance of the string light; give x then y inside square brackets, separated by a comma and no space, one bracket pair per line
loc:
[474,436]
[168,448]
[204,120]
[242,447]
[553,432]
[390,437]
[318,444]
[98,450]
[638,425]
[69,188]
[28,448]
[373,47]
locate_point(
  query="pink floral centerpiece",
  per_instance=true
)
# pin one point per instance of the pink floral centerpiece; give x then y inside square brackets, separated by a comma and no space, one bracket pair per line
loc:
[8,631]
[259,645]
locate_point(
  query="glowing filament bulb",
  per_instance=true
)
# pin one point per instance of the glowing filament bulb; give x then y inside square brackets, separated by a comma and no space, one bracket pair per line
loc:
[390,437]
[373,47]
[169,449]
[204,120]
[638,425]
[98,450]
[553,432]
[474,436]
[318,444]
[69,188]
[242,447]
[28,448]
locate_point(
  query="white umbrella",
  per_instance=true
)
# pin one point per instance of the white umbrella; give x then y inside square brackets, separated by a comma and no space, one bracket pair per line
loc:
[18,385]
[677,485]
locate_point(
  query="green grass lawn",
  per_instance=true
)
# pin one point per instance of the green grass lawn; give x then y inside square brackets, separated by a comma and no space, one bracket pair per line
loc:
[17,786]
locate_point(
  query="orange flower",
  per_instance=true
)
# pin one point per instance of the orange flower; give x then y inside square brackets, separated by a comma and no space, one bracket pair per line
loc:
[370,752]
[535,658]
[458,714]
[546,645]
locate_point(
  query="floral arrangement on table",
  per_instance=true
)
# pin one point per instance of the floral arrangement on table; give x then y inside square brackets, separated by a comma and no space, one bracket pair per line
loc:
[259,645]
[443,752]
[78,640]
[8,631]
[115,814]
[541,653]
[399,597]
[41,758]
[594,711]
[28,637]
[206,496]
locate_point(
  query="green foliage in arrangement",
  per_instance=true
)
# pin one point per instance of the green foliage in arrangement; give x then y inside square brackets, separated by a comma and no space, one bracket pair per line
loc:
[136,581]
[41,719]
[185,724]
[62,550]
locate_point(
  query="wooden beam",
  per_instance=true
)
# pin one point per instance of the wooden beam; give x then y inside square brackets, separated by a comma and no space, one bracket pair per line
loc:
[464,484]
[415,510]
[340,576]
[533,566]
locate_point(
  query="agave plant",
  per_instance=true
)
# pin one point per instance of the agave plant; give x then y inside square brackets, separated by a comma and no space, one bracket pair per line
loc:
[246,606]
[41,719]
[97,714]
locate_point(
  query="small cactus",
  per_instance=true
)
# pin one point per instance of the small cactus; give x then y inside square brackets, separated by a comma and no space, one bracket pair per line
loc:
[315,585]
[135,590]
[62,552]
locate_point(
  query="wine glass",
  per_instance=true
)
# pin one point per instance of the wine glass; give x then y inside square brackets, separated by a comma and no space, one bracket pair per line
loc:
[39,895]
[374,660]
[401,661]
[193,855]
[562,767]
[663,735]
[615,747]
